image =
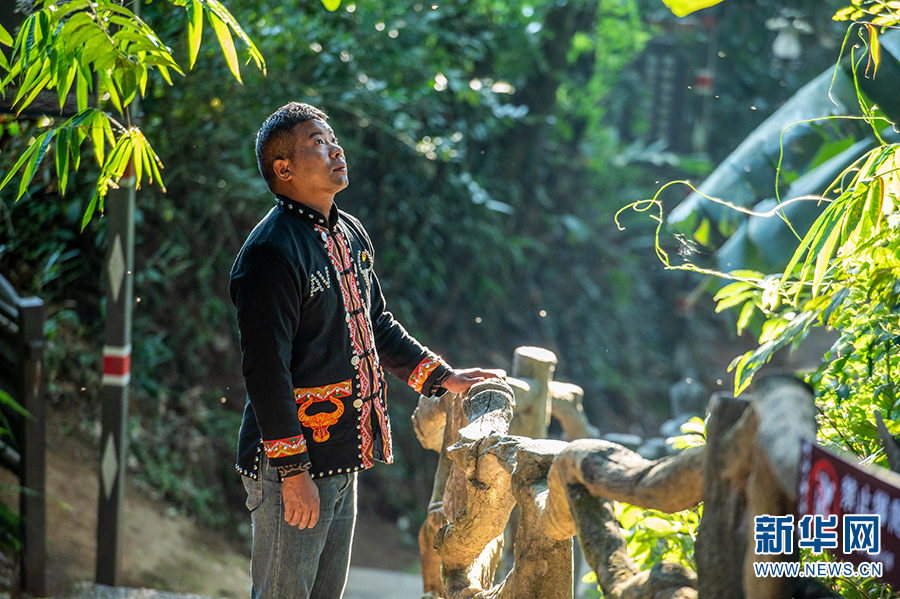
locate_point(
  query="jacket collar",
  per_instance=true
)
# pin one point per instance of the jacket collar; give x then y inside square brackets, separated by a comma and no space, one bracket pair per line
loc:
[308,214]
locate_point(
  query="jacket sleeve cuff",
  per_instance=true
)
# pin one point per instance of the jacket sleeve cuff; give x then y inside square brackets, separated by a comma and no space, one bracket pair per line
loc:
[427,375]
[289,455]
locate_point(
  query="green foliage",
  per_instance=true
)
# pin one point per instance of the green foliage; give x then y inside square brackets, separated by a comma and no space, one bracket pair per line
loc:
[850,588]
[654,536]
[484,162]
[104,49]
[843,275]
[693,434]
[879,13]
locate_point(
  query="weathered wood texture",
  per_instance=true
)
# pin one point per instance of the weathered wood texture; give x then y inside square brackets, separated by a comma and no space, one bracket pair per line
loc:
[608,470]
[752,469]
[535,366]
[501,470]
[566,401]
[748,467]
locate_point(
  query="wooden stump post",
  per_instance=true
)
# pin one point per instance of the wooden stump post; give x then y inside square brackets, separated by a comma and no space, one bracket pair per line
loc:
[535,366]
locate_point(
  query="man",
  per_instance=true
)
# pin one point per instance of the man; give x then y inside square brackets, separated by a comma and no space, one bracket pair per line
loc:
[314,337]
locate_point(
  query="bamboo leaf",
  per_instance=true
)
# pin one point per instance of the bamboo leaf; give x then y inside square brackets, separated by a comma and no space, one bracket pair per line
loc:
[811,242]
[5,38]
[86,29]
[26,155]
[107,86]
[195,30]
[874,50]
[731,289]
[96,126]
[32,76]
[218,9]
[28,31]
[824,257]
[137,160]
[39,86]
[92,206]
[119,157]
[65,84]
[63,139]
[227,43]
[142,79]
[146,160]
[165,73]
[155,165]
[37,156]
[744,318]
[734,300]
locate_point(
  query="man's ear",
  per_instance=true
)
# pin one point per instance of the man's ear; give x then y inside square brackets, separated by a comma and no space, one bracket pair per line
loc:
[282,169]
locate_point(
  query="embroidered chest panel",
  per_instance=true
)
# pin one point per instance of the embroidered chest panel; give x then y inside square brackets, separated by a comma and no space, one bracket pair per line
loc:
[356,307]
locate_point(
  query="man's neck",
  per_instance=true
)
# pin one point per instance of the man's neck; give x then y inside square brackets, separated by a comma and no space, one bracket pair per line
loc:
[320,205]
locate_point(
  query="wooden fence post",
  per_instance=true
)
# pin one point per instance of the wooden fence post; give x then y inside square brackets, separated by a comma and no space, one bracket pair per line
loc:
[116,376]
[33,446]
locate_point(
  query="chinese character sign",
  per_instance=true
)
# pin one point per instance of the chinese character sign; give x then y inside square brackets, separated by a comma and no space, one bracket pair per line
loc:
[846,510]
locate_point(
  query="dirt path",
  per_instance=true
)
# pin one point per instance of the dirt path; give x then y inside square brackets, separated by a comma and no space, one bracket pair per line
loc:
[162,548]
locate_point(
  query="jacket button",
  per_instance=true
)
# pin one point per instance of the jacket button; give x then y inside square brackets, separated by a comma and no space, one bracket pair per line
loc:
[354,360]
[324,236]
[357,404]
[331,472]
[346,318]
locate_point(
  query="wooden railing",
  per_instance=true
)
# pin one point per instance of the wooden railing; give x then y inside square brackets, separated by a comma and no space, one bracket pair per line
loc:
[748,467]
[21,378]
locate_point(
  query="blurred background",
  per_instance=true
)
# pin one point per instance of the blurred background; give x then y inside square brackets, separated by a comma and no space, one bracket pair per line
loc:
[490,145]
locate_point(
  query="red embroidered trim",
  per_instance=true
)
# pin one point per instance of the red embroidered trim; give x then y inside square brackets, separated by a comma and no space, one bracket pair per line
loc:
[361,334]
[368,459]
[285,447]
[423,371]
[385,425]
[323,393]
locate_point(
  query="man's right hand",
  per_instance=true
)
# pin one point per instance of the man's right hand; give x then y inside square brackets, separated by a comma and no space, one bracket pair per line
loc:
[301,500]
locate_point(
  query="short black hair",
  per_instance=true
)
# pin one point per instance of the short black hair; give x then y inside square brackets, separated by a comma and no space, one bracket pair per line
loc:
[275,141]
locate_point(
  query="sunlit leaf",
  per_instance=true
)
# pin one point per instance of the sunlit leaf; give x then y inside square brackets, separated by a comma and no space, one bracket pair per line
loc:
[195,30]
[5,38]
[682,8]
[137,160]
[227,43]
[746,314]
[874,50]
[65,84]
[97,134]
[92,206]
[824,256]
[331,5]
[26,155]
[63,140]
[41,144]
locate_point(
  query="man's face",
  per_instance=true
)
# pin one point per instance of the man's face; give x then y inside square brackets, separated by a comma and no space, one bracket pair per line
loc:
[318,167]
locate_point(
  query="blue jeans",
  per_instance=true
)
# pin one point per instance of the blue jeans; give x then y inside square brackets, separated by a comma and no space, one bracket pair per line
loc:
[290,563]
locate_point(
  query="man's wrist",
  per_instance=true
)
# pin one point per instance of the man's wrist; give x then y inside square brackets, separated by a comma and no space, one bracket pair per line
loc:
[293,469]
[437,388]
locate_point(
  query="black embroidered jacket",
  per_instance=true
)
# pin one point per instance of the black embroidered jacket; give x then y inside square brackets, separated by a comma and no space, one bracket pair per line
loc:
[314,337]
